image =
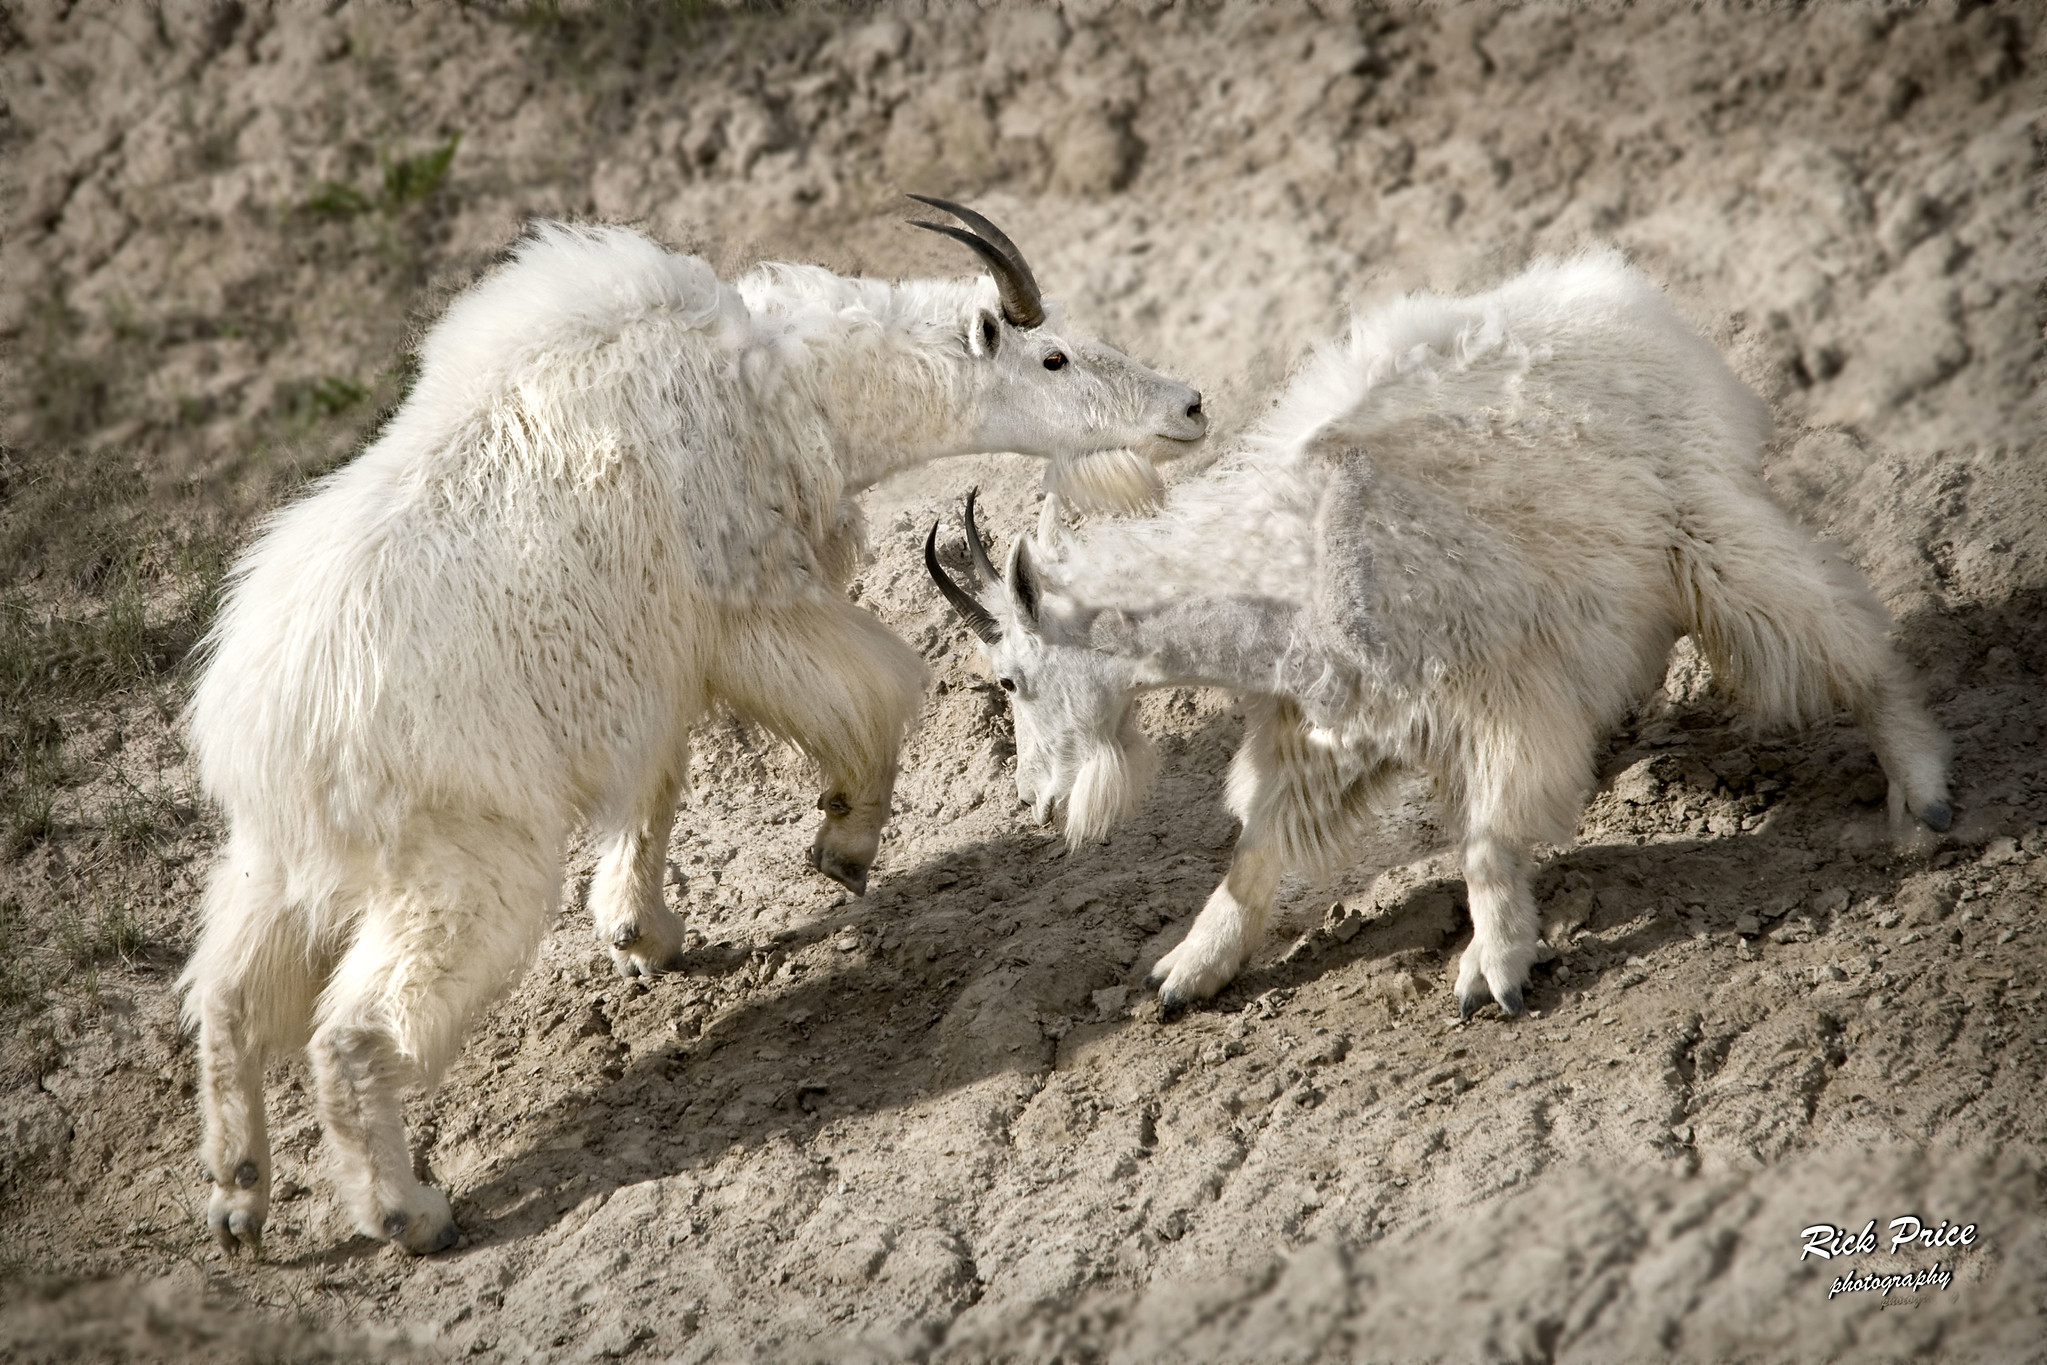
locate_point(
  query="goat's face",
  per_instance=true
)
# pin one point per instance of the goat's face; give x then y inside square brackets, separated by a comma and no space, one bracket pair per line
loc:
[1044,391]
[1039,390]
[1077,739]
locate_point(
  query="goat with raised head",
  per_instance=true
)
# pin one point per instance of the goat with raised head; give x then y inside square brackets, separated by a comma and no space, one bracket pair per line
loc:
[1463,542]
[618,496]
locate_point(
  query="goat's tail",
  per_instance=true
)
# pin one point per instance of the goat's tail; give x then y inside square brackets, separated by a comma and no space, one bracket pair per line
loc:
[1793,633]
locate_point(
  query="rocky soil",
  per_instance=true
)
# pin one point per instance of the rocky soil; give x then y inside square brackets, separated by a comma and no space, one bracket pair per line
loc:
[943,1121]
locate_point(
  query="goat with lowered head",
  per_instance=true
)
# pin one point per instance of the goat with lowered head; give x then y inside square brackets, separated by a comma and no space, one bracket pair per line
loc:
[1463,542]
[617,497]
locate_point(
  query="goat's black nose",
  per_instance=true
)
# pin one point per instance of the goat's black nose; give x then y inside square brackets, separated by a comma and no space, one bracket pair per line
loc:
[1194,408]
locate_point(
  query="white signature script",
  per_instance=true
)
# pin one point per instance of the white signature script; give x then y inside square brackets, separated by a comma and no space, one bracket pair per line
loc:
[1826,1241]
[1884,1284]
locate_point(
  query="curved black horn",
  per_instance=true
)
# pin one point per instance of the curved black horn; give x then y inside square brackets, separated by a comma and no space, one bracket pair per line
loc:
[1022,305]
[974,545]
[988,231]
[962,601]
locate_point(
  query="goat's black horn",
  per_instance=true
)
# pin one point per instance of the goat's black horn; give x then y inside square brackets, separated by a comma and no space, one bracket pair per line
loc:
[974,546]
[1022,304]
[962,601]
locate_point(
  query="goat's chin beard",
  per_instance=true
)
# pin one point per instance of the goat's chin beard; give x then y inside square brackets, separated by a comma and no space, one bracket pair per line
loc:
[1106,481]
[1109,789]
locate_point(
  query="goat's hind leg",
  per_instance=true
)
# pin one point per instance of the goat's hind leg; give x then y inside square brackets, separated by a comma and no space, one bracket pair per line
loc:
[1522,784]
[249,991]
[428,955]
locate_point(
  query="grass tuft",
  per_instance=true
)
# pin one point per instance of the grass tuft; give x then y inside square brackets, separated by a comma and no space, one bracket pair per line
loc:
[409,179]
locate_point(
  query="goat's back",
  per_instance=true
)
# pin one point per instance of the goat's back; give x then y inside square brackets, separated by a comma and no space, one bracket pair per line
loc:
[501,594]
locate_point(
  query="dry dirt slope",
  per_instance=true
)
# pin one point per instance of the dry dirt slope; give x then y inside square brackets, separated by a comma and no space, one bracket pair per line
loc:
[932,1122]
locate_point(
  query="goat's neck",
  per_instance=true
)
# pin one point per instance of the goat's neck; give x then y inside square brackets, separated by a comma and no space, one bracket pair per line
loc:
[886,407]
[1245,644]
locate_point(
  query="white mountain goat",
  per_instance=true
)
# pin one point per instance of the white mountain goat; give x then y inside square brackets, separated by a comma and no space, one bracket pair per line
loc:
[1464,542]
[617,497]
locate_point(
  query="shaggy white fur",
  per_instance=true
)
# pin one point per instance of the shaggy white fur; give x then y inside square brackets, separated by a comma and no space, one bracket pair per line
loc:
[617,496]
[1464,541]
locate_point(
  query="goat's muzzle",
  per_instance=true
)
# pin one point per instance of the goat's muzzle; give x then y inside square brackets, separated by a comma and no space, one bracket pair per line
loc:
[841,869]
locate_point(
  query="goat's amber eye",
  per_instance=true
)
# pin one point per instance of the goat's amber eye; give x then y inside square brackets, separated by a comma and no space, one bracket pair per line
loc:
[1055,361]
[1008,684]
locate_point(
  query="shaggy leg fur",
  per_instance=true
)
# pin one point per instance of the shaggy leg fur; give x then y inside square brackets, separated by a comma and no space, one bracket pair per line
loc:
[249,989]
[1301,803]
[1518,784]
[831,679]
[633,919]
[1794,633]
[1209,957]
[429,952]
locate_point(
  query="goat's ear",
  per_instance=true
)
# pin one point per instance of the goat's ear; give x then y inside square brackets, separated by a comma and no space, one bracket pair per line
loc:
[984,334]
[1022,582]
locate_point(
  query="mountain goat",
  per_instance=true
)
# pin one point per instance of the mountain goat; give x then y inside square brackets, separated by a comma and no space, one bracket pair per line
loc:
[617,496]
[1464,542]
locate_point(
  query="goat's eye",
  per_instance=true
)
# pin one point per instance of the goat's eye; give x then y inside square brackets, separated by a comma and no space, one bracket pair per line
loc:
[1008,684]
[1055,361]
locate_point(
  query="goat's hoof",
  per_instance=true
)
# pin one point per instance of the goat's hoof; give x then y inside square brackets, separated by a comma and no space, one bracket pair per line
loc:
[1468,1002]
[1154,979]
[1173,1004]
[1938,816]
[237,1229]
[1511,1003]
[424,1232]
[235,1215]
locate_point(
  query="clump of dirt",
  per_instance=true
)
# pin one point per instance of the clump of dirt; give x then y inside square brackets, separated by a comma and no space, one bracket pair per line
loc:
[943,1121]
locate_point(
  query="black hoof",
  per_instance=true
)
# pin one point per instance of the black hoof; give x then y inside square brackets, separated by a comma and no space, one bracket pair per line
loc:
[1512,1005]
[1467,1005]
[1173,1004]
[1938,816]
[449,1236]
[1154,980]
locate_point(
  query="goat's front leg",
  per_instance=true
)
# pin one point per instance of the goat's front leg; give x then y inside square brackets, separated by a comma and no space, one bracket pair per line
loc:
[1302,802]
[632,917]
[1504,924]
[830,677]
[1225,931]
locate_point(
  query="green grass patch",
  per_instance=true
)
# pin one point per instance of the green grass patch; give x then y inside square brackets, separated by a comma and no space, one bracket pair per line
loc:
[407,180]
[410,179]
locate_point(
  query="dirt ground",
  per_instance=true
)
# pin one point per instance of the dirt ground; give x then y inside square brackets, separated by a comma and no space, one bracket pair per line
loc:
[943,1121]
